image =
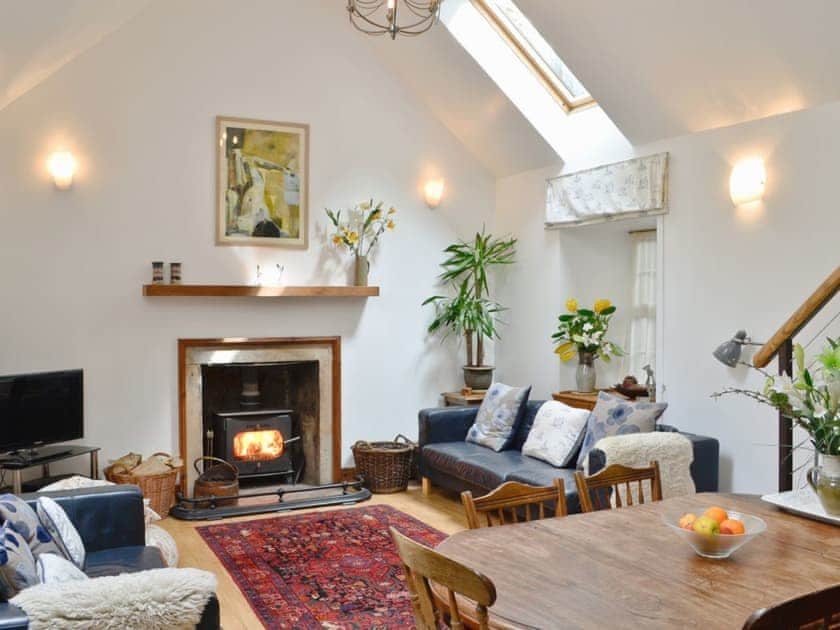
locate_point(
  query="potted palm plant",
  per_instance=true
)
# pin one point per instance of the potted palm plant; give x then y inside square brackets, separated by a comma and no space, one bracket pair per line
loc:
[470,313]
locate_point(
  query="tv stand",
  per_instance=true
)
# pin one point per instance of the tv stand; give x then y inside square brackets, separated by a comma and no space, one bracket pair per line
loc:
[18,461]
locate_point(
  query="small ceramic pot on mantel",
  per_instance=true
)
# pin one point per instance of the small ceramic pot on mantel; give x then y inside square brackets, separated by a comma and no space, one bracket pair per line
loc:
[361,271]
[585,373]
[478,376]
[824,478]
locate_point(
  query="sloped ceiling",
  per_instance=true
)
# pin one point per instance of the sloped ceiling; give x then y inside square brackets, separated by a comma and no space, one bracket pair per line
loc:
[659,69]
[37,37]
[443,76]
[663,69]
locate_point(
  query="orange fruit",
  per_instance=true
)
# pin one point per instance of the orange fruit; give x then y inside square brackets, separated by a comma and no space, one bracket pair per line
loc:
[687,521]
[716,513]
[732,526]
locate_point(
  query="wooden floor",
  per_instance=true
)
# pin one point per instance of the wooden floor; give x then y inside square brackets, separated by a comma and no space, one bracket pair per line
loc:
[440,510]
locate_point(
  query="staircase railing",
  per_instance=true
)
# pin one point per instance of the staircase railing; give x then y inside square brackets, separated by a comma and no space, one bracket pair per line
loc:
[781,345]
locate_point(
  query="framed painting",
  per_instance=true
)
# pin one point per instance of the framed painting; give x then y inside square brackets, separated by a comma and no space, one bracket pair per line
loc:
[262,183]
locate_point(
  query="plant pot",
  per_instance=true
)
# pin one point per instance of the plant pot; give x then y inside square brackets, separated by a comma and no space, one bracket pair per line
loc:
[585,373]
[478,376]
[360,273]
[824,478]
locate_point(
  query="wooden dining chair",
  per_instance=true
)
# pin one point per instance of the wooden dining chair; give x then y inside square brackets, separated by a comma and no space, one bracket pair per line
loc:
[597,491]
[513,502]
[421,565]
[819,610]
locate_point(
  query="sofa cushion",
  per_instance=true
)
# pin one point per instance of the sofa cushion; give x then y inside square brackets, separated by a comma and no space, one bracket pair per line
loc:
[613,415]
[52,568]
[556,435]
[17,565]
[123,560]
[499,416]
[62,530]
[473,463]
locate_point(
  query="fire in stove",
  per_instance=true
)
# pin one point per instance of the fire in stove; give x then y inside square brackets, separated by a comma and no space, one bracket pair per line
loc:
[258,445]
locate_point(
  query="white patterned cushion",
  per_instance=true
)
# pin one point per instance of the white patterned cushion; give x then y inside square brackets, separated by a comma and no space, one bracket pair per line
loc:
[618,416]
[556,433]
[58,524]
[53,569]
[499,415]
[17,564]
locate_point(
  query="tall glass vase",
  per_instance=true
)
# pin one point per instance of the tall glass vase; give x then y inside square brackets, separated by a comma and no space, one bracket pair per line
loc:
[360,273]
[585,374]
[824,478]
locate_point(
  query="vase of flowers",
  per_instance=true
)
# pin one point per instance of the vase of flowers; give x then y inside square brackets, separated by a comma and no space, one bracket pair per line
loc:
[582,332]
[359,231]
[812,400]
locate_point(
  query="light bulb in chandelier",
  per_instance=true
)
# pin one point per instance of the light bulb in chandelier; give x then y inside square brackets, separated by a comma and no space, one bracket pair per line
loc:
[394,17]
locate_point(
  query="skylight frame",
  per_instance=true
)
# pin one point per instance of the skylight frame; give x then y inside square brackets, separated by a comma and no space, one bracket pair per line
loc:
[532,60]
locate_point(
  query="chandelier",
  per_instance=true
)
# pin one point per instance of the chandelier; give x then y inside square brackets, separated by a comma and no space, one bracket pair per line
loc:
[378,17]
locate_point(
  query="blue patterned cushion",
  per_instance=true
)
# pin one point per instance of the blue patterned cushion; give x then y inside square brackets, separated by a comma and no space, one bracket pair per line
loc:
[17,565]
[618,416]
[500,413]
[25,522]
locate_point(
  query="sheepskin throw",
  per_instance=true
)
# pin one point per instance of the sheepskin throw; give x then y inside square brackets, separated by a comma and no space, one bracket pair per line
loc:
[155,599]
[499,416]
[672,450]
[556,433]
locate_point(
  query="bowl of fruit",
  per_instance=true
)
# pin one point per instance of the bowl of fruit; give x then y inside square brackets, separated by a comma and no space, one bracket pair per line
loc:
[714,532]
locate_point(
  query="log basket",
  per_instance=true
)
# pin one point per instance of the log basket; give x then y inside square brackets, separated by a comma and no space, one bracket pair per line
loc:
[219,480]
[158,489]
[385,466]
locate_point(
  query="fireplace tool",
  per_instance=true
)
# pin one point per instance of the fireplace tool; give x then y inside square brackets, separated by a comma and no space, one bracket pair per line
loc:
[212,507]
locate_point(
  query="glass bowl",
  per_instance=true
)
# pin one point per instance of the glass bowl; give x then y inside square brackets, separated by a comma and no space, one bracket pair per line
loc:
[720,545]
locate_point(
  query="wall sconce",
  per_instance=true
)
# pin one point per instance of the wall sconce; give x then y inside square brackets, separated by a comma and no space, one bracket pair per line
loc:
[746,183]
[62,166]
[434,192]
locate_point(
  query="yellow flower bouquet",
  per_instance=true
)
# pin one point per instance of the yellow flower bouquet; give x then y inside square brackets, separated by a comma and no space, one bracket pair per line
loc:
[583,330]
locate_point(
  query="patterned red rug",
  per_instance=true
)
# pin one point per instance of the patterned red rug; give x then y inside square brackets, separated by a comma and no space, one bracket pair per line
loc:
[337,570]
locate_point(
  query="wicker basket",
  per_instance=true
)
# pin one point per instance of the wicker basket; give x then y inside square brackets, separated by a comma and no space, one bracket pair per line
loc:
[158,489]
[385,466]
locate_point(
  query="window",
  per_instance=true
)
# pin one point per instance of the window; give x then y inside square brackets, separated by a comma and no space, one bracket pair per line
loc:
[535,52]
[641,346]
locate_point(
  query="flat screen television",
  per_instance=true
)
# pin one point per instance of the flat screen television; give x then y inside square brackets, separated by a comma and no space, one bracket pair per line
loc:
[38,409]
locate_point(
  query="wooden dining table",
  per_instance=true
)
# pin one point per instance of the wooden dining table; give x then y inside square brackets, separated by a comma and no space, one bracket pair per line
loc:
[625,568]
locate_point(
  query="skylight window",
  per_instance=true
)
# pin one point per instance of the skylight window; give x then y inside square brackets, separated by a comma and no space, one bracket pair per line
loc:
[535,52]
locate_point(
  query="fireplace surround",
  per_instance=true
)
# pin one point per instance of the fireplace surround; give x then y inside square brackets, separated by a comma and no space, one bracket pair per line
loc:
[320,428]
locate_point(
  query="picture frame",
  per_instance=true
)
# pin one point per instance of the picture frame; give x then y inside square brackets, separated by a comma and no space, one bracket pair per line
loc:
[262,183]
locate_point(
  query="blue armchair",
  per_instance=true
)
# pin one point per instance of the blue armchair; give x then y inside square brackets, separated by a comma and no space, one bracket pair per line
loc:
[111,522]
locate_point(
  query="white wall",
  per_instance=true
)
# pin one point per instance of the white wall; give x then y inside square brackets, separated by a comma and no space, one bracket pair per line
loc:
[587,263]
[724,268]
[138,111]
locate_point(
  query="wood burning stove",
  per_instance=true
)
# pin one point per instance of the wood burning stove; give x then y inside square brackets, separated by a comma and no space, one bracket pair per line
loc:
[260,443]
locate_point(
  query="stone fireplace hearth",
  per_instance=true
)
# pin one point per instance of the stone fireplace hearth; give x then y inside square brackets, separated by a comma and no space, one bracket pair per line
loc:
[300,382]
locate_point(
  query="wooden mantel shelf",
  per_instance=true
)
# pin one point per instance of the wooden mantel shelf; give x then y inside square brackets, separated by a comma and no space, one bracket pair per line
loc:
[228,290]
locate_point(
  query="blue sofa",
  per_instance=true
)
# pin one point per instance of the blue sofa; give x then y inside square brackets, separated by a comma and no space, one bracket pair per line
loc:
[111,522]
[447,460]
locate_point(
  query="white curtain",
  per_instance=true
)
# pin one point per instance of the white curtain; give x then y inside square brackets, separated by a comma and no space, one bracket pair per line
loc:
[641,342]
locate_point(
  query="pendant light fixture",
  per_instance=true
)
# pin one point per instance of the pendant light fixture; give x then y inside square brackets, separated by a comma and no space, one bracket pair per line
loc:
[394,17]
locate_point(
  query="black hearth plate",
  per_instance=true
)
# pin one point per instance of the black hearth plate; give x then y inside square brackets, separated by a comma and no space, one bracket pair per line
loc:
[350,493]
